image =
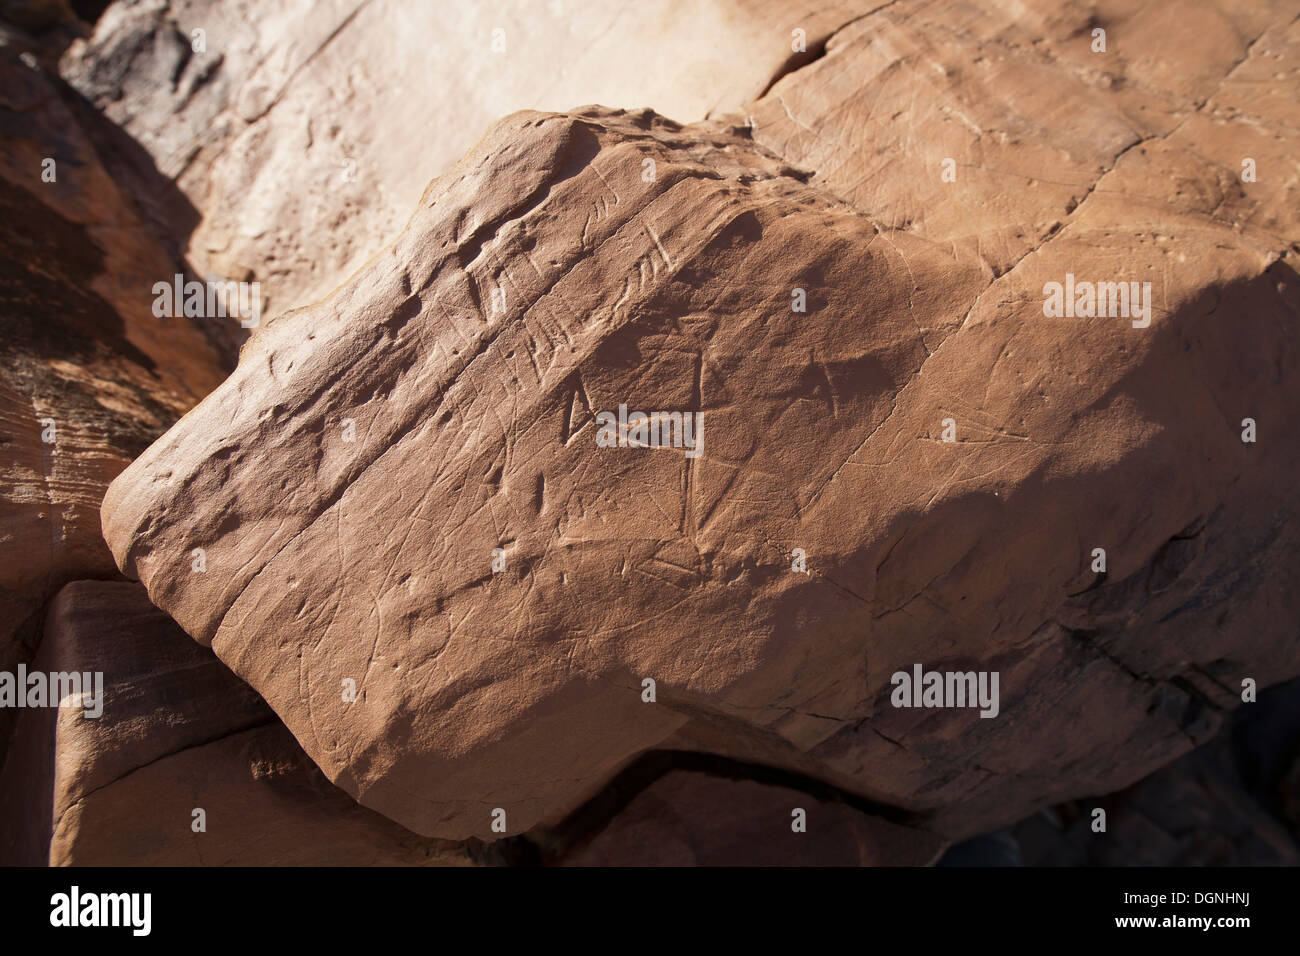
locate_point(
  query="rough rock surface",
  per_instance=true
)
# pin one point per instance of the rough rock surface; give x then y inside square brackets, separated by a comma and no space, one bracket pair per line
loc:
[1047,136]
[326,96]
[1119,165]
[88,375]
[178,732]
[605,277]
[352,478]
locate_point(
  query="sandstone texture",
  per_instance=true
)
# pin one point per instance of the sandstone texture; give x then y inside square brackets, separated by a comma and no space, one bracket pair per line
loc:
[398,600]
[178,732]
[354,475]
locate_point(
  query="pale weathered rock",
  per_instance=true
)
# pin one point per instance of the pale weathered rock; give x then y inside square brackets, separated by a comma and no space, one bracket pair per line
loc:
[306,133]
[352,479]
[88,375]
[178,732]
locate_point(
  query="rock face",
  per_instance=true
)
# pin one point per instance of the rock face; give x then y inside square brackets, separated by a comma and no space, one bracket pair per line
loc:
[178,732]
[88,375]
[884,397]
[1051,140]
[459,617]
[1154,175]
[329,95]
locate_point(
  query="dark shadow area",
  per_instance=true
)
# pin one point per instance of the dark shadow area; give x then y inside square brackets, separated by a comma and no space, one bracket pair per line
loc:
[1234,802]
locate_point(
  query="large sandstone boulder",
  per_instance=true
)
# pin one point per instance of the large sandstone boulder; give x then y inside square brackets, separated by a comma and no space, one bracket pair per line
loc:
[178,733]
[352,482]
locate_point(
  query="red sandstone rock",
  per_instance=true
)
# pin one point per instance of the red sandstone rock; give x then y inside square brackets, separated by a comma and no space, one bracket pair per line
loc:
[921,182]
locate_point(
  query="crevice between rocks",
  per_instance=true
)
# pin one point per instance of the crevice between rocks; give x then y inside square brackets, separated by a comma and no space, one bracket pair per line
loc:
[254,725]
[797,61]
[548,845]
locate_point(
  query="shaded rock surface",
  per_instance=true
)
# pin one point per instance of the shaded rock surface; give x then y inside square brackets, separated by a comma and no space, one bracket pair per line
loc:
[1125,164]
[1230,803]
[88,375]
[694,819]
[53,24]
[1192,813]
[678,808]
[178,732]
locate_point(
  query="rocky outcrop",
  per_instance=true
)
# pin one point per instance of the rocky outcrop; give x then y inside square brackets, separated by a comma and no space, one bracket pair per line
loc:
[970,330]
[183,765]
[353,479]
